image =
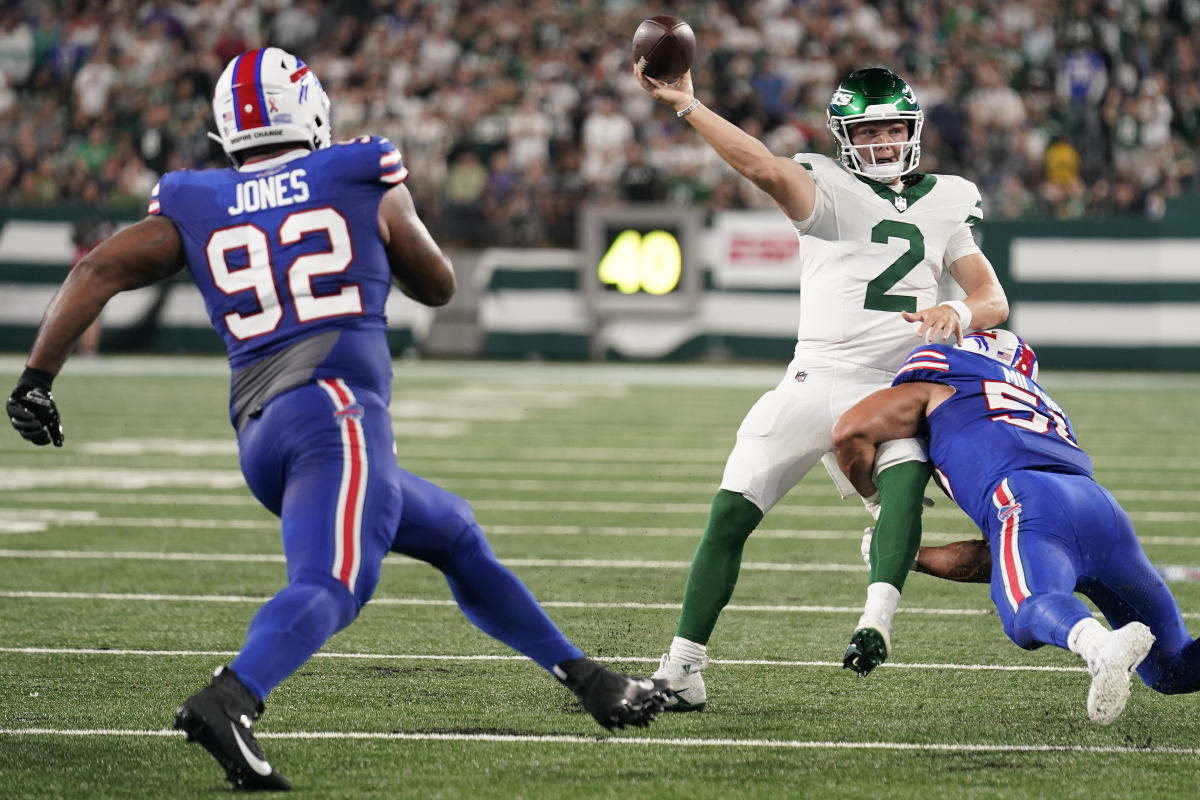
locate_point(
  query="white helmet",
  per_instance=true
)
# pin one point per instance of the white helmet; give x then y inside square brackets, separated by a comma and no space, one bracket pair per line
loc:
[266,97]
[1005,347]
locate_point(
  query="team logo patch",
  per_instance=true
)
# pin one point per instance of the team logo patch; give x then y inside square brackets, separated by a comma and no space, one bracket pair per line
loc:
[1007,511]
[901,203]
[353,411]
[800,376]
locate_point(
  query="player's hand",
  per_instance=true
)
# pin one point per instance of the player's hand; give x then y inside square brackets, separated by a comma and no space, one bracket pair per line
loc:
[32,411]
[865,548]
[938,323]
[678,95]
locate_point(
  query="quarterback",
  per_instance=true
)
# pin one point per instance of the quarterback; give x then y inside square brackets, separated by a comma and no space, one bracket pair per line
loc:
[1007,454]
[875,237]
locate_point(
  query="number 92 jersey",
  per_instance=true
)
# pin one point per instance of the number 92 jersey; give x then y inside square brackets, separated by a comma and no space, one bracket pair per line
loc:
[996,422]
[288,248]
[868,253]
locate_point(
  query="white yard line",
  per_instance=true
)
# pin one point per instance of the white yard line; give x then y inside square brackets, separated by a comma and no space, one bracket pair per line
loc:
[727,662]
[641,741]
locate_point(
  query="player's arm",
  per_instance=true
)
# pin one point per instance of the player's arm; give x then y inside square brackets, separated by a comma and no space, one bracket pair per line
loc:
[892,413]
[134,257]
[787,182]
[417,263]
[968,561]
[986,305]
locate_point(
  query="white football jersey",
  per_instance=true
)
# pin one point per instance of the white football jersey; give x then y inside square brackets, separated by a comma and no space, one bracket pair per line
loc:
[868,252]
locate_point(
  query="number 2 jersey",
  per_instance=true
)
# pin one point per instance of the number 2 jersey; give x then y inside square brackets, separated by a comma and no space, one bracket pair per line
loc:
[868,253]
[997,421]
[288,257]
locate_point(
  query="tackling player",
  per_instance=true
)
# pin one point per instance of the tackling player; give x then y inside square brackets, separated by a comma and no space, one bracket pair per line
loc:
[1006,453]
[875,236]
[294,249]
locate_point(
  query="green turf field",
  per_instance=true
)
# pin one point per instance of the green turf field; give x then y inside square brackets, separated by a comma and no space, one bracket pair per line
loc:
[132,559]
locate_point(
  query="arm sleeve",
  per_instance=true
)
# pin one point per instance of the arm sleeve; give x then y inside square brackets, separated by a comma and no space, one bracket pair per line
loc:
[961,243]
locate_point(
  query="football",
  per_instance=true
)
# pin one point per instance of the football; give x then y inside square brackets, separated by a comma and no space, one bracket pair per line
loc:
[663,47]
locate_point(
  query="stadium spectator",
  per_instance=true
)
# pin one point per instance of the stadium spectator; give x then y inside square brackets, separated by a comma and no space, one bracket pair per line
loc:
[997,80]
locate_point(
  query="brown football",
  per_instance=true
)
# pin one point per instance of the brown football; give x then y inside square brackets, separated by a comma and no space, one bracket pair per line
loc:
[663,47]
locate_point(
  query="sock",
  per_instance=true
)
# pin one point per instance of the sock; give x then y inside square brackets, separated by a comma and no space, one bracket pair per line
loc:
[882,601]
[898,530]
[1086,637]
[687,652]
[715,566]
[497,603]
[286,632]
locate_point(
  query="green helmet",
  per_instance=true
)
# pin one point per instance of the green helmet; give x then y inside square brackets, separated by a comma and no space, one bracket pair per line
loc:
[875,94]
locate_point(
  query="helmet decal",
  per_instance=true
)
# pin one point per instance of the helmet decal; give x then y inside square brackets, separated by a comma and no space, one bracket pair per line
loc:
[248,105]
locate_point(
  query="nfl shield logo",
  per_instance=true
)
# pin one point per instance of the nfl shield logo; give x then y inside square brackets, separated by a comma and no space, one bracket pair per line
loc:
[901,203]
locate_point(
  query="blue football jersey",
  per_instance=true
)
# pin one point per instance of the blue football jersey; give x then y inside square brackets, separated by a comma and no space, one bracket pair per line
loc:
[289,248]
[996,422]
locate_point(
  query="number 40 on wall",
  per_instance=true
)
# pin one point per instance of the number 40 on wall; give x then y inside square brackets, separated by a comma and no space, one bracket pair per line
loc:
[649,261]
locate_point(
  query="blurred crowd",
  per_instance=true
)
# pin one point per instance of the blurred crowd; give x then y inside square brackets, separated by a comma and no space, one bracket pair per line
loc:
[511,115]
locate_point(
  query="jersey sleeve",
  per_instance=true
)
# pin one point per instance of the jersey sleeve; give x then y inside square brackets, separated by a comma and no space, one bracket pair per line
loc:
[816,165]
[371,159]
[160,196]
[928,364]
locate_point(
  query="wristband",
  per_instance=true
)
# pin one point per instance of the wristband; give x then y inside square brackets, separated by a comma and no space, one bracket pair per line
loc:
[691,107]
[35,377]
[964,313]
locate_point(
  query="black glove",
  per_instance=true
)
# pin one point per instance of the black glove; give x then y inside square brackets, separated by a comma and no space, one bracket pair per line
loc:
[31,409]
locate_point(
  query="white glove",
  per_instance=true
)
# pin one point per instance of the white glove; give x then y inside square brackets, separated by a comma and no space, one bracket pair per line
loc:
[866,545]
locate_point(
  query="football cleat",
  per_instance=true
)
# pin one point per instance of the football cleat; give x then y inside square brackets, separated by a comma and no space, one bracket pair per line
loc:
[1111,668]
[614,700]
[685,682]
[868,649]
[219,717]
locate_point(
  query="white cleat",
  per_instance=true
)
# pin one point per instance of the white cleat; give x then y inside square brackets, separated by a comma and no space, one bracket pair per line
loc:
[683,678]
[1111,669]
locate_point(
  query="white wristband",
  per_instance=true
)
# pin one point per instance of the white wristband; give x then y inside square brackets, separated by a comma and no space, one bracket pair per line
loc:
[964,313]
[691,107]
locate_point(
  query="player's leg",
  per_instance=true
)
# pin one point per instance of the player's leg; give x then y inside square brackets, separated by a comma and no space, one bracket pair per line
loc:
[322,458]
[438,527]
[901,474]
[781,438]
[1127,589]
[1039,547]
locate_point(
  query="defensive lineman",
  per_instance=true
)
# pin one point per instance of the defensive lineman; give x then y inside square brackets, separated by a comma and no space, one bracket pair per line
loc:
[1006,452]
[294,249]
[875,236]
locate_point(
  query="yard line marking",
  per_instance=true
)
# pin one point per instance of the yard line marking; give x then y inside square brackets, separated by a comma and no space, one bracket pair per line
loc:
[734,662]
[700,510]
[772,744]
[22,520]
[264,558]
[423,601]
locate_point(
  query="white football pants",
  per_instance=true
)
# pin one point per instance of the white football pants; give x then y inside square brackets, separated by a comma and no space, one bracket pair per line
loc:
[787,431]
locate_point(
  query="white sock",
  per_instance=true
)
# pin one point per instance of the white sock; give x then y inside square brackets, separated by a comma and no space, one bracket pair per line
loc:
[688,652]
[1086,637]
[882,601]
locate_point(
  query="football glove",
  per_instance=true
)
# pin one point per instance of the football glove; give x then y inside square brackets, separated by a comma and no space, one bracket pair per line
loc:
[32,411]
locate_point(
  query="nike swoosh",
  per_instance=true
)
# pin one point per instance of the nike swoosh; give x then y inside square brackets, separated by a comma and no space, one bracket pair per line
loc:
[256,763]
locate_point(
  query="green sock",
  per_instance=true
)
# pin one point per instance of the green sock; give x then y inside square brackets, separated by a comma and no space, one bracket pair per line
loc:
[898,530]
[715,566]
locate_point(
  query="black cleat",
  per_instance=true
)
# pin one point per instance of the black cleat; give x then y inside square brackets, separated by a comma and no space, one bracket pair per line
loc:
[614,700]
[220,717]
[868,649]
